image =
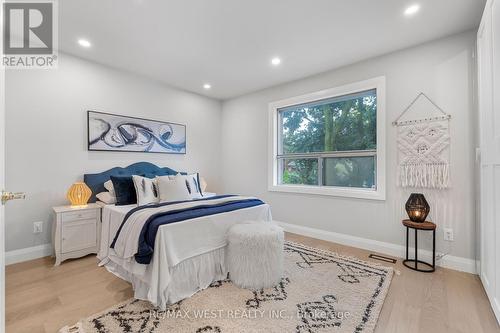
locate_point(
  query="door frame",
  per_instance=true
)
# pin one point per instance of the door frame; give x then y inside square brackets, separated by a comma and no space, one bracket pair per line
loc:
[2,181]
[488,104]
[2,184]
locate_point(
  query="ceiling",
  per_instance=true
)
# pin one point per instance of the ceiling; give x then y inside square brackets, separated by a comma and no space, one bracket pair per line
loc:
[230,43]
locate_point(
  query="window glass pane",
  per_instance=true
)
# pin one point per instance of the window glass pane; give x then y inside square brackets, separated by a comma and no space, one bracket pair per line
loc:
[299,171]
[349,172]
[335,124]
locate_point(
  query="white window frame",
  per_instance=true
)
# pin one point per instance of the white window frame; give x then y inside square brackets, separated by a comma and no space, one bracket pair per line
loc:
[377,83]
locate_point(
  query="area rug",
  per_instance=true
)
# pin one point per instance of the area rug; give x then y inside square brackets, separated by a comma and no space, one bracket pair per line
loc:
[320,292]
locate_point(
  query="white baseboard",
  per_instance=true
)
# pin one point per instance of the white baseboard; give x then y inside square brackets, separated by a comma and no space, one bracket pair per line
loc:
[395,250]
[29,253]
[452,262]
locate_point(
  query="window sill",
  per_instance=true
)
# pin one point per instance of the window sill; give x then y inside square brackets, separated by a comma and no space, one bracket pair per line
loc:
[330,191]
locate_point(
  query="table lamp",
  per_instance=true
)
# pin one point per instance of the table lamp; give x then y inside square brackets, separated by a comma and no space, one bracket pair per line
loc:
[79,194]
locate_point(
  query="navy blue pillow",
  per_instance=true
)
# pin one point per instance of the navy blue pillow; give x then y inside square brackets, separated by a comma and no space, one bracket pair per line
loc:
[124,190]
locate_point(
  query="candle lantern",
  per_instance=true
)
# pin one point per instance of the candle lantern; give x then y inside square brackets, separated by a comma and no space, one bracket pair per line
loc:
[417,207]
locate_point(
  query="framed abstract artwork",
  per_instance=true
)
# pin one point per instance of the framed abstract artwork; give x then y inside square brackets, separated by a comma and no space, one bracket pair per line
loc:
[111,132]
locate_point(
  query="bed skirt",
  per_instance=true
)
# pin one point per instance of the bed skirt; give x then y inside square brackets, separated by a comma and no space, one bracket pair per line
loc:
[182,281]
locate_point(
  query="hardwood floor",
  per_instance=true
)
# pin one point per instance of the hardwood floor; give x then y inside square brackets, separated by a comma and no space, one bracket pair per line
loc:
[43,298]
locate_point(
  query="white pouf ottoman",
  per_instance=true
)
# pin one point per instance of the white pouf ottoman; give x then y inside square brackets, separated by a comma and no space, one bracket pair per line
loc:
[255,254]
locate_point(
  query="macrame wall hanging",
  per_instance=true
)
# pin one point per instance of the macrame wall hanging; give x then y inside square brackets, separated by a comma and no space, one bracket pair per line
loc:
[423,147]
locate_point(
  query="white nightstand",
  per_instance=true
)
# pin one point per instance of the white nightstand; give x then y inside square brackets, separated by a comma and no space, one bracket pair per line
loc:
[76,231]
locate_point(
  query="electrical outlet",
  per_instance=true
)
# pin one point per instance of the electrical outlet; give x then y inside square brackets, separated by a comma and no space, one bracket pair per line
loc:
[448,234]
[37,227]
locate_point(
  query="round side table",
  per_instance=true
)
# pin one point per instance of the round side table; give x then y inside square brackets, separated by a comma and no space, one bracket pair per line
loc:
[413,263]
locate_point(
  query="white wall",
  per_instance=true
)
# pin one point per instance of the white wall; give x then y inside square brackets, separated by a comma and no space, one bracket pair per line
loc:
[444,70]
[46,140]
[46,131]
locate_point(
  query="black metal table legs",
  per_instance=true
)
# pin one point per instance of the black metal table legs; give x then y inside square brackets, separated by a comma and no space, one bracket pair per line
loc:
[413,263]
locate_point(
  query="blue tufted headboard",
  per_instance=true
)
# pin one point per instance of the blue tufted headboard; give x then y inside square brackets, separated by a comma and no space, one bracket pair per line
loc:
[96,180]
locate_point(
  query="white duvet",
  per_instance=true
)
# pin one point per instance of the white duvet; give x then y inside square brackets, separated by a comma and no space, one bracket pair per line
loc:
[188,255]
[181,247]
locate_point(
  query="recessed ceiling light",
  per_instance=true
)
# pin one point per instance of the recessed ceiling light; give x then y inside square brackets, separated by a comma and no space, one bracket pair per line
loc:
[207,86]
[276,61]
[412,10]
[84,43]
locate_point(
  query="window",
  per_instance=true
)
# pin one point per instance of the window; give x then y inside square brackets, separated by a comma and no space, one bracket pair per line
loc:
[330,142]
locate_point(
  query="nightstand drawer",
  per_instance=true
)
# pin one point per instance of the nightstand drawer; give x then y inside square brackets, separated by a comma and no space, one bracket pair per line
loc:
[78,235]
[79,215]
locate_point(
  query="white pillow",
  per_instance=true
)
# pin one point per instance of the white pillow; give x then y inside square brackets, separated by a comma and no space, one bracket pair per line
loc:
[109,186]
[107,198]
[172,189]
[146,190]
[192,182]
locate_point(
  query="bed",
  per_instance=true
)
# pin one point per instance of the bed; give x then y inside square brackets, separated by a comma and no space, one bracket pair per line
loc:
[186,256]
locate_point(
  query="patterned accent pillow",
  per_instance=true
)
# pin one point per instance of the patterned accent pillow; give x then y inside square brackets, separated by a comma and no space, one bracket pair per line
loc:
[146,189]
[192,184]
[172,189]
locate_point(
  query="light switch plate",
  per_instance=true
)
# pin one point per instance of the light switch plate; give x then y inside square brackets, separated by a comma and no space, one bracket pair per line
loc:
[448,234]
[37,227]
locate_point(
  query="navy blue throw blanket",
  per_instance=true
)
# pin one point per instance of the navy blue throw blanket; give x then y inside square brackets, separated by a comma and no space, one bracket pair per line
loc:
[148,233]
